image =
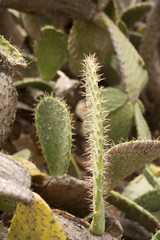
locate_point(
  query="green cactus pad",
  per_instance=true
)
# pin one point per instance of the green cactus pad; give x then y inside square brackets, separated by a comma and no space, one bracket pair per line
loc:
[120,122]
[10,54]
[86,38]
[132,14]
[137,187]
[134,211]
[151,178]
[141,124]
[50,52]
[113,99]
[35,83]
[35,221]
[133,74]
[125,158]
[53,126]
[150,200]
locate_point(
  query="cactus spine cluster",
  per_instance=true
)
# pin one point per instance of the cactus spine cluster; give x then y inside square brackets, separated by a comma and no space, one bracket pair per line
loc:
[95,126]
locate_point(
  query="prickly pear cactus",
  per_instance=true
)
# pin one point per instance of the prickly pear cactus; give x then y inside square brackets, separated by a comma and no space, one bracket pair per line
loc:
[8,105]
[133,210]
[35,221]
[53,126]
[141,124]
[95,125]
[133,13]
[10,57]
[78,45]
[132,68]
[10,54]
[51,52]
[125,158]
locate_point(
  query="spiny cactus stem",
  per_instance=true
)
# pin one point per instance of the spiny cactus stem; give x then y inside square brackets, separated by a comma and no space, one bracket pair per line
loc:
[95,125]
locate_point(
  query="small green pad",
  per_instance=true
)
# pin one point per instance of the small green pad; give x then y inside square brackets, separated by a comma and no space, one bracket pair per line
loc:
[53,126]
[51,52]
[35,221]
[10,54]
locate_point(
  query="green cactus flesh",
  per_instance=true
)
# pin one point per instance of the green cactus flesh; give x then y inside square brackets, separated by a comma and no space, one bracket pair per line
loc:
[53,126]
[134,211]
[133,74]
[151,178]
[141,124]
[132,14]
[150,200]
[113,99]
[120,122]
[35,83]
[95,124]
[51,52]
[10,54]
[137,187]
[78,45]
[125,158]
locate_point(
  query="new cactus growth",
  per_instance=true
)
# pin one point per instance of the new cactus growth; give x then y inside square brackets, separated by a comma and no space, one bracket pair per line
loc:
[53,126]
[96,143]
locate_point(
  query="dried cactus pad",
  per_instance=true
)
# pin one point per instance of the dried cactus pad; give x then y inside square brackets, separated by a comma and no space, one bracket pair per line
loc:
[10,54]
[8,104]
[35,221]
[14,184]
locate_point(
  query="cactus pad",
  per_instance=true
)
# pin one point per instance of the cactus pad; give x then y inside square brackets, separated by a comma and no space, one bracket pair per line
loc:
[95,139]
[125,158]
[10,54]
[78,45]
[133,74]
[132,14]
[35,221]
[50,52]
[120,122]
[141,124]
[8,105]
[113,99]
[134,211]
[53,126]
